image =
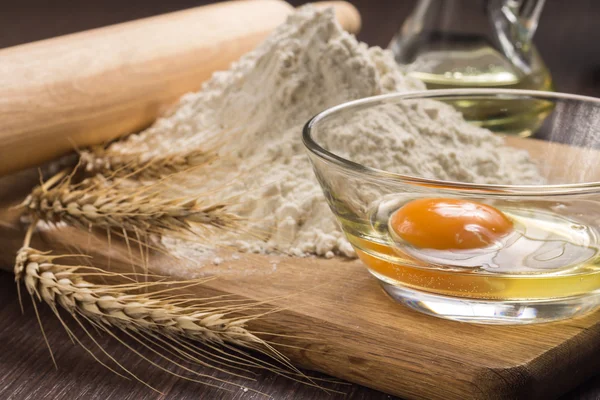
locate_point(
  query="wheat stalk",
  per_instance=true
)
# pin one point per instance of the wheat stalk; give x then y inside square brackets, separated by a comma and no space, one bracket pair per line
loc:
[139,165]
[113,206]
[148,314]
[67,287]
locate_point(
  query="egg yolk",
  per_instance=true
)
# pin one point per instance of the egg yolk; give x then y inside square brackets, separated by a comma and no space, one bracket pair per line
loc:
[447,224]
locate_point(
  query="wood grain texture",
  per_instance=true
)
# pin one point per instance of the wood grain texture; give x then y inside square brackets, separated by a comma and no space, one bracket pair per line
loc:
[91,87]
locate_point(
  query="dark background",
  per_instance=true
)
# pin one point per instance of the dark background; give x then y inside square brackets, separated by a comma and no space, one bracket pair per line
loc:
[568,40]
[568,36]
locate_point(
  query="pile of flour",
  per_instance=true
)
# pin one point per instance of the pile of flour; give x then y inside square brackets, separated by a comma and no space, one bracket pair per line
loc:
[428,139]
[257,109]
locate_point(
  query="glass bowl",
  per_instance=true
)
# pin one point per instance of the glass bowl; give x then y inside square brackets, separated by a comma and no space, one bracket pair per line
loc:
[543,266]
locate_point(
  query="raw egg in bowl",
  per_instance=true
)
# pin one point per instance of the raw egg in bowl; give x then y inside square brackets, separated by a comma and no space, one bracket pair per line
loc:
[490,217]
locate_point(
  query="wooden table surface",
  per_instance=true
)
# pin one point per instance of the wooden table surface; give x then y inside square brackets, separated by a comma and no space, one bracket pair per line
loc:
[567,39]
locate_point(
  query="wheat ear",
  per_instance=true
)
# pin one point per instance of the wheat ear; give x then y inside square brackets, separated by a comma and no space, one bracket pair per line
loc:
[66,286]
[141,166]
[150,315]
[139,209]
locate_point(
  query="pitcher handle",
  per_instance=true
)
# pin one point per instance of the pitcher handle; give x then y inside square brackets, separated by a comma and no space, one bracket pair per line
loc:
[529,11]
[514,23]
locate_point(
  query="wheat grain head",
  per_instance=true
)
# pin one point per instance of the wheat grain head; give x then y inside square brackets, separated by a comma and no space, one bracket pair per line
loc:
[153,315]
[66,286]
[168,325]
[140,166]
[96,203]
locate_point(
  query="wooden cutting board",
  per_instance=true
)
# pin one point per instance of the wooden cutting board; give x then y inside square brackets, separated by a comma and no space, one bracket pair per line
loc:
[344,325]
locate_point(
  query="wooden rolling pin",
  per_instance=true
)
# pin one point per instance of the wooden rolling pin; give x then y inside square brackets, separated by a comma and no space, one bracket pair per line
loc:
[90,87]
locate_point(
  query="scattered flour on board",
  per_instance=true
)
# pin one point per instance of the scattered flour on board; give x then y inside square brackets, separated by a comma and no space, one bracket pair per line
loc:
[258,108]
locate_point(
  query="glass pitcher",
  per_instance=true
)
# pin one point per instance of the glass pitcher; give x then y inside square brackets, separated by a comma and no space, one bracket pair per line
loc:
[472,43]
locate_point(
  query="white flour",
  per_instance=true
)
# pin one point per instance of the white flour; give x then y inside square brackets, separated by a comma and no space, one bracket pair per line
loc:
[259,107]
[428,139]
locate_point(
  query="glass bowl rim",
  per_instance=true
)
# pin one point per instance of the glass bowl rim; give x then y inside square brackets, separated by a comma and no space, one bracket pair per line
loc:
[329,157]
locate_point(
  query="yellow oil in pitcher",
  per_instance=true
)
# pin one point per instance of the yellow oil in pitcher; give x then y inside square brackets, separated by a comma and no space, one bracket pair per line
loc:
[469,61]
